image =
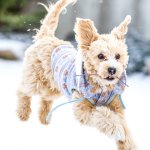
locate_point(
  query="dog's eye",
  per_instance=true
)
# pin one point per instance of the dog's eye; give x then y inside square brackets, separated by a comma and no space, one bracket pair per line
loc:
[101,56]
[117,56]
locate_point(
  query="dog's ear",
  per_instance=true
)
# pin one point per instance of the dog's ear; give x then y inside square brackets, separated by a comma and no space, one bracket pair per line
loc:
[120,31]
[86,32]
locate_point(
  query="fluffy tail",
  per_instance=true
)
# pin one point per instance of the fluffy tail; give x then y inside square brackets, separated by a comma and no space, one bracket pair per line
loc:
[50,22]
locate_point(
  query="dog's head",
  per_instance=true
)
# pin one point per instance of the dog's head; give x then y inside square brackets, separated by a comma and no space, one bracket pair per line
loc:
[105,56]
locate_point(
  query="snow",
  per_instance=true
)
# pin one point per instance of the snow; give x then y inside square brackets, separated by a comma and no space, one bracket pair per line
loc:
[65,132]
[15,46]
[16,43]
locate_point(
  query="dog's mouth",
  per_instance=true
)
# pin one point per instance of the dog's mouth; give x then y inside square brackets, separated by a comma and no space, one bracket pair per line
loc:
[110,78]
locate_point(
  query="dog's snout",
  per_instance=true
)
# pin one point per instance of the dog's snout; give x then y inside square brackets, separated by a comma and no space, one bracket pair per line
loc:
[111,70]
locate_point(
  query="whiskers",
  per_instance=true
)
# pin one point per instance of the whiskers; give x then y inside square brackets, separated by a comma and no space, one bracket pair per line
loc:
[116,77]
[87,74]
[122,82]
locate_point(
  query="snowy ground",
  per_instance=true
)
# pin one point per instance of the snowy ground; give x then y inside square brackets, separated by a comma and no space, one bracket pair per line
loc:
[64,132]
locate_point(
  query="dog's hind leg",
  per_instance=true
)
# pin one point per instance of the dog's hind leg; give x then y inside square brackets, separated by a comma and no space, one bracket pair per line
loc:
[23,108]
[27,88]
[45,107]
[46,104]
[24,94]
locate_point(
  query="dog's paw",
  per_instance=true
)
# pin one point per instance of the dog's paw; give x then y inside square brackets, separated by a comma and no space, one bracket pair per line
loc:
[43,120]
[23,113]
[42,117]
[108,122]
[128,144]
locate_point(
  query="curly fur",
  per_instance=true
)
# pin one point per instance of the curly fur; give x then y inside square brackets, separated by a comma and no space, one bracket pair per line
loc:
[38,79]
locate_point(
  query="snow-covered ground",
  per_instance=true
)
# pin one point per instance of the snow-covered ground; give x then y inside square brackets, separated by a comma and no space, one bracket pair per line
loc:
[64,132]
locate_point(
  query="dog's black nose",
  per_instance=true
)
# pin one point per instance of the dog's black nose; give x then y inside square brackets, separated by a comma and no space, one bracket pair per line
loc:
[111,70]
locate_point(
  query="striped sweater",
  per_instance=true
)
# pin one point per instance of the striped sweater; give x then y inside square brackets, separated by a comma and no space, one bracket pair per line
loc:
[65,75]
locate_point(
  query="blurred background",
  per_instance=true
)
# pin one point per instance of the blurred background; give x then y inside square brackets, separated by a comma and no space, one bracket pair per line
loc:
[18,19]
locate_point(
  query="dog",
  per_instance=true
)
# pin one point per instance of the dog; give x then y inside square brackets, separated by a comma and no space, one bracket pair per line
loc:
[95,73]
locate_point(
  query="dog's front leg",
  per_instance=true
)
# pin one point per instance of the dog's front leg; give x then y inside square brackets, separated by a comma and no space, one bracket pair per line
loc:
[128,143]
[82,110]
[102,118]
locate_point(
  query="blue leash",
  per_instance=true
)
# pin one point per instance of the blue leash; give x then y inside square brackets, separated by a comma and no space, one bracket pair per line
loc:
[122,102]
[72,101]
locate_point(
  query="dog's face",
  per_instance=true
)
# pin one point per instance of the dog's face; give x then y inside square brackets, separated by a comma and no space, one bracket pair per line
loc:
[109,58]
[105,56]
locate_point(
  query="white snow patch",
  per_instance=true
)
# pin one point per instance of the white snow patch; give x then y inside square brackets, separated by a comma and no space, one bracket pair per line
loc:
[15,46]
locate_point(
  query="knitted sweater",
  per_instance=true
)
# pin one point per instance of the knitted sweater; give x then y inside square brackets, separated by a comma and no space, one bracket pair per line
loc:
[63,66]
